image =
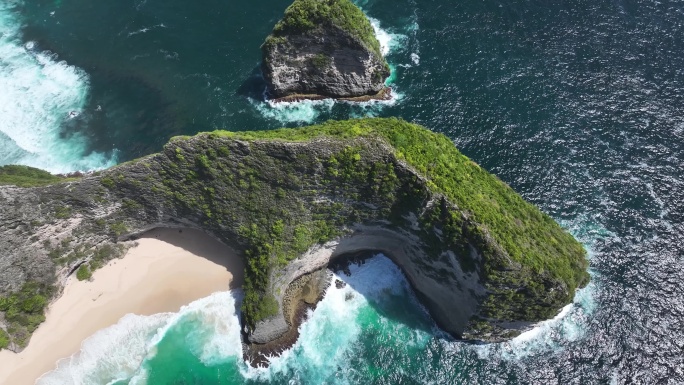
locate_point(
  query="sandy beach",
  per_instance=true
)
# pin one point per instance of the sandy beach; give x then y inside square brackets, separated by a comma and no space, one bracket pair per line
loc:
[166,270]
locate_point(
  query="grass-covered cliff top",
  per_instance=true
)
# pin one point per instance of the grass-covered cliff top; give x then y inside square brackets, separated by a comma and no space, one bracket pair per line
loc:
[528,236]
[280,194]
[304,15]
[24,176]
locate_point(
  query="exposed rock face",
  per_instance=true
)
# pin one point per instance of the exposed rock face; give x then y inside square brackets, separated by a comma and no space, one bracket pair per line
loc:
[291,206]
[451,295]
[326,59]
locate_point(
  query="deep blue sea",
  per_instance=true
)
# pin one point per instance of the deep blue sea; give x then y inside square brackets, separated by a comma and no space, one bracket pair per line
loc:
[578,105]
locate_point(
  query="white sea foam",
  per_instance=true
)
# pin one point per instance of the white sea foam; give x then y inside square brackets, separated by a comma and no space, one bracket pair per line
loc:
[118,352]
[326,340]
[114,353]
[415,58]
[304,111]
[389,42]
[571,322]
[333,329]
[218,338]
[548,336]
[39,95]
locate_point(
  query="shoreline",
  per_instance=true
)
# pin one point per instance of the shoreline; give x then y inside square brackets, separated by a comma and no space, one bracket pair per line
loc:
[382,95]
[167,269]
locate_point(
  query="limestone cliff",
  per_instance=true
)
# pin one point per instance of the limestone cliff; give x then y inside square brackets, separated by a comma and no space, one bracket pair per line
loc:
[324,48]
[485,263]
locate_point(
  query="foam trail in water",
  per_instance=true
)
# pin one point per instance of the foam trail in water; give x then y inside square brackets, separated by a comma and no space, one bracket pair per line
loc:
[113,353]
[39,96]
[118,352]
[305,111]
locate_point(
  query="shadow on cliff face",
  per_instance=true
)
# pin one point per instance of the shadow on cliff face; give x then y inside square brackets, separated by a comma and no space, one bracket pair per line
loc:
[202,245]
[396,305]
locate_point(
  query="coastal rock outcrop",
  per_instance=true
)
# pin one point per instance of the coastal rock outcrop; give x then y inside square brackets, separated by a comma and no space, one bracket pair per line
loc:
[484,262]
[324,49]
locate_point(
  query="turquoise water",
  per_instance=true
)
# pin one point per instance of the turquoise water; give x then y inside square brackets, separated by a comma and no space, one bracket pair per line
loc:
[371,331]
[575,104]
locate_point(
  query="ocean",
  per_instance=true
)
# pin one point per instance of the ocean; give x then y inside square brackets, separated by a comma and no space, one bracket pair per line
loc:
[577,105]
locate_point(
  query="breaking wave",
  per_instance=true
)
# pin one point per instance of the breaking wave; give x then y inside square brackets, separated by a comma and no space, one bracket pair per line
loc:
[41,96]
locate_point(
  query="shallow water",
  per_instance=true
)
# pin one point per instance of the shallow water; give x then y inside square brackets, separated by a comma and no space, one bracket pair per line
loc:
[575,104]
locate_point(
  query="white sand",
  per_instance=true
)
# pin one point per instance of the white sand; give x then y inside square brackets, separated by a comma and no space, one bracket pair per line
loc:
[165,271]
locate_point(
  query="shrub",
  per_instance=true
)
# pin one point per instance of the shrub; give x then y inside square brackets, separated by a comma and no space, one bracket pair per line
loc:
[62,212]
[107,182]
[4,339]
[304,15]
[119,228]
[24,310]
[83,273]
[321,61]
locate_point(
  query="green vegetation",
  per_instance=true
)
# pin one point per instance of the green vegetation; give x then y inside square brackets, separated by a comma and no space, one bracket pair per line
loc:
[321,61]
[526,235]
[24,311]
[62,212]
[107,182]
[83,273]
[276,200]
[305,15]
[119,228]
[24,176]
[4,339]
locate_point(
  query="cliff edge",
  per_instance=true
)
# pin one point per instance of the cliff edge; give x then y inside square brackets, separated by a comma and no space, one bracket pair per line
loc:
[324,49]
[484,262]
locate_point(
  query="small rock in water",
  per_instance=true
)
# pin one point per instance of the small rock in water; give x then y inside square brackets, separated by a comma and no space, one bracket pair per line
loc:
[340,284]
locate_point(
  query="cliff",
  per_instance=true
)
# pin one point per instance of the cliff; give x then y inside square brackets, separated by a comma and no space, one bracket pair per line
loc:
[485,263]
[324,48]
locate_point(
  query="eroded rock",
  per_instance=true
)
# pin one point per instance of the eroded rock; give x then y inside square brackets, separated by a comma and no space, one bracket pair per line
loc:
[324,48]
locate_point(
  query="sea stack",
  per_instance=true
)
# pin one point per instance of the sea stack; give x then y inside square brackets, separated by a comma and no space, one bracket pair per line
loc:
[324,49]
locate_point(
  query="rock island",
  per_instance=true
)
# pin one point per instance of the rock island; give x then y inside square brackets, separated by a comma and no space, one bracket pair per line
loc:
[324,49]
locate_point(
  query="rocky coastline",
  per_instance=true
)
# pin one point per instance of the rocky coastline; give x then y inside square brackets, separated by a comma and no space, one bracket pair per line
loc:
[383,95]
[291,202]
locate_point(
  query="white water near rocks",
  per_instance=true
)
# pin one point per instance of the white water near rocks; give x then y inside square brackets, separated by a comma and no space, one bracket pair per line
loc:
[308,111]
[328,340]
[39,95]
[118,352]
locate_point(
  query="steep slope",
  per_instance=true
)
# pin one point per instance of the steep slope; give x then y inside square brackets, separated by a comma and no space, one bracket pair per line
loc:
[485,263]
[324,48]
